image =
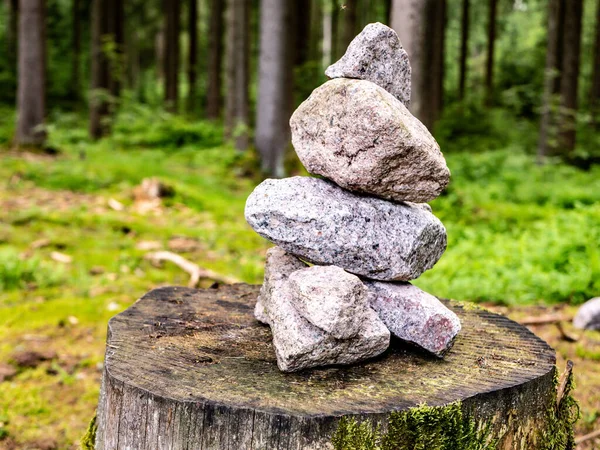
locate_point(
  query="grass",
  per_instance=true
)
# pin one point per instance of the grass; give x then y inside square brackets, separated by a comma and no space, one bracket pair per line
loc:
[519,235]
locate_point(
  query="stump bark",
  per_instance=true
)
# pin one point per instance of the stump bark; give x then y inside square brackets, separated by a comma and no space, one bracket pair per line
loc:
[193,369]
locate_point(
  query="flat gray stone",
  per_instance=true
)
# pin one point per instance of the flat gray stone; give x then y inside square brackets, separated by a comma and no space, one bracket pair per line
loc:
[364,139]
[414,315]
[324,224]
[331,299]
[376,55]
[300,344]
[588,315]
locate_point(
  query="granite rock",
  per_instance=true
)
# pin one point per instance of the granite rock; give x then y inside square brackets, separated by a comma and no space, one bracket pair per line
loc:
[364,139]
[376,55]
[321,223]
[298,343]
[414,315]
[588,315]
[331,299]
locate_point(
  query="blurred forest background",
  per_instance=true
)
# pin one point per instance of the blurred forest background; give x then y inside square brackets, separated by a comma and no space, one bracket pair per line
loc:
[130,127]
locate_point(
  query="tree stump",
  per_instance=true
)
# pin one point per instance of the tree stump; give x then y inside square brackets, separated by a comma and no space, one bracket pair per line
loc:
[193,369]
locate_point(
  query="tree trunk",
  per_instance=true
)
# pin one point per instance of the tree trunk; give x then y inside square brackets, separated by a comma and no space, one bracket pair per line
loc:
[315,49]
[491,45]
[31,94]
[76,49]
[570,76]
[12,30]
[117,14]
[420,25]
[171,55]
[464,49]
[301,18]
[274,85]
[350,23]
[335,31]
[237,69]
[193,54]
[192,369]
[100,71]
[547,138]
[215,60]
[595,89]
[327,46]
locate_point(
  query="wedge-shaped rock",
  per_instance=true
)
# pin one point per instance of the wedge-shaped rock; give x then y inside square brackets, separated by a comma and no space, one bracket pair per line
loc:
[364,139]
[321,223]
[331,299]
[414,315]
[376,55]
[302,345]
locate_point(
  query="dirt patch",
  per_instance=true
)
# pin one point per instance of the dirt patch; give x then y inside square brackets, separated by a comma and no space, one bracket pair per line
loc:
[30,359]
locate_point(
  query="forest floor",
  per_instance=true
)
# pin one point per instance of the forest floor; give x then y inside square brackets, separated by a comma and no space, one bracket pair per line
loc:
[75,231]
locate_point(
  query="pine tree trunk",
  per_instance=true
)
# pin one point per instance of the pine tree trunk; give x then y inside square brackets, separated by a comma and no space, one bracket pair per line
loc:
[491,45]
[551,79]
[327,45]
[242,83]
[464,49]
[570,76]
[100,71]
[31,94]
[237,72]
[117,31]
[215,60]
[171,55]
[12,30]
[315,49]
[274,85]
[76,49]
[301,18]
[420,25]
[350,23]
[335,31]
[193,54]
[595,89]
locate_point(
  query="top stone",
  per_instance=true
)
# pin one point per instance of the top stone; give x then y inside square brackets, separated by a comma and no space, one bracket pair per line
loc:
[376,55]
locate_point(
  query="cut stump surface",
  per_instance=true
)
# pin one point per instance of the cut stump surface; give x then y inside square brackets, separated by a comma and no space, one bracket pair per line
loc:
[193,369]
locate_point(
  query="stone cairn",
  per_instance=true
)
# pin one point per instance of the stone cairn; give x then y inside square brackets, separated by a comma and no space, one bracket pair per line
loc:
[365,225]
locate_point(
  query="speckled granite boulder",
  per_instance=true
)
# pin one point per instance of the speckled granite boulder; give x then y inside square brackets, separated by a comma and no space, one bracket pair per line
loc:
[321,223]
[364,139]
[376,55]
[414,315]
[588,315]
[331,299]
[300,344]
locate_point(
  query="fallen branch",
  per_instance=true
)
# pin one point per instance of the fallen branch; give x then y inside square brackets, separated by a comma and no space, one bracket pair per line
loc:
[545,320]
[196,272]
[587,437]
[562,383]
[563,334]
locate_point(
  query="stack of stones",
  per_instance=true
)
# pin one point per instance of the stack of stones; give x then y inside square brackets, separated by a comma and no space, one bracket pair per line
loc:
[364,226]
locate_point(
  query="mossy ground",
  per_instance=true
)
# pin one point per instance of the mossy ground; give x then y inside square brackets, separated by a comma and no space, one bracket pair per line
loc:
[518,235]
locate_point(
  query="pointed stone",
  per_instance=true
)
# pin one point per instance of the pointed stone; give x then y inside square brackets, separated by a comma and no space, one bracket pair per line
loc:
[319,222]
[365,140]
[588,315]
[376,55]
[414,315]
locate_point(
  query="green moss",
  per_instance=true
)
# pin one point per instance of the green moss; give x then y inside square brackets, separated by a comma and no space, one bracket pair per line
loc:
[448,428]
[561,418]
[88,441]
[421,428]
